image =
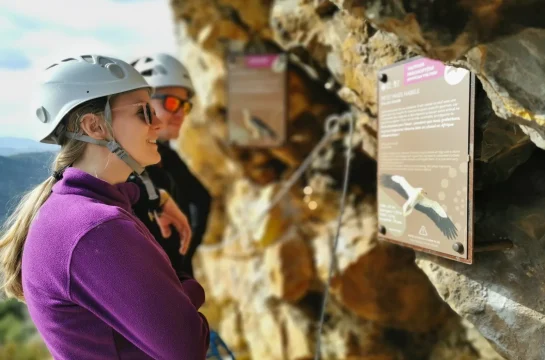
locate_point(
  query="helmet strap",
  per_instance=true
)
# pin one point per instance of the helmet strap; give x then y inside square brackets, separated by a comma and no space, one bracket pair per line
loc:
[115,148]
[150,188]
[112,145]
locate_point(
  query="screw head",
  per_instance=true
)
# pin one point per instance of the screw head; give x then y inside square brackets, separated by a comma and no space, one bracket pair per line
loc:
[458,247]
[382,229]
[383,78]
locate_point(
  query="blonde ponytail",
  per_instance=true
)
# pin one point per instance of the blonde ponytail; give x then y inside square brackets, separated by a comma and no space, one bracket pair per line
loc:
[15,230]
[13,240]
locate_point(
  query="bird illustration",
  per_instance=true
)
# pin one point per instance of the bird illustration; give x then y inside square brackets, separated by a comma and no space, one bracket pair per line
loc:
[416,199]
[257,127]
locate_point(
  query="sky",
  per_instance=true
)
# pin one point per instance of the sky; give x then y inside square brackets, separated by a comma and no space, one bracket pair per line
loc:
[36,33]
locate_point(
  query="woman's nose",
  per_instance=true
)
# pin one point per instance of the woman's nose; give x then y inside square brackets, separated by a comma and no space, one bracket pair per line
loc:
[156,123]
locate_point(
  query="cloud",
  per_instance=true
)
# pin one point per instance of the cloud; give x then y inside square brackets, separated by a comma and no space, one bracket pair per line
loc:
[89,15]
[33,34]
[15,101]
[6,24]
[46,47]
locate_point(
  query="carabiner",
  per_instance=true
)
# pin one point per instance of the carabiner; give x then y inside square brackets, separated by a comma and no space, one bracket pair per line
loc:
[334,122]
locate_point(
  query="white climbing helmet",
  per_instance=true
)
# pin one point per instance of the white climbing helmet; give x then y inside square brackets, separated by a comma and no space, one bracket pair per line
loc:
[161,70]
[75,80]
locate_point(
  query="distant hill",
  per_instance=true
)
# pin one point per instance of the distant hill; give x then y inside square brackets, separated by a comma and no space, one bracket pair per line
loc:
[21,173]
[18,336]
[12,145]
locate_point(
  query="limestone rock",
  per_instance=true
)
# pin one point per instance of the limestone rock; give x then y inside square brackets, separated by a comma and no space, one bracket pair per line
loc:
[536,135]
[479,343]
[351,49]
[475,35]
[298,333]
[263,332]
[290,268]
[216,224]
[502,292]
[516,95]
[460,341]
[253,223]
[374,280]
[356,239]
[230,278]
[264,278]
[231,330]
[500,146]
[212,166]
[286,332]
[386,287]
[447,29]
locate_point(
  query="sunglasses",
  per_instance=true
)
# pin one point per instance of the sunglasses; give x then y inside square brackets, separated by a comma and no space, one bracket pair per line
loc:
[146,111]
[173,104]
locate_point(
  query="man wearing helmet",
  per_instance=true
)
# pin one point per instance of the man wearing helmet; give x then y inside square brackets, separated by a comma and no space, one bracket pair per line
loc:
[172,101]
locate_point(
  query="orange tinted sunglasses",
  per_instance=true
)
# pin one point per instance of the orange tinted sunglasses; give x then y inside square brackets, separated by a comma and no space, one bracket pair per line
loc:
[173,103]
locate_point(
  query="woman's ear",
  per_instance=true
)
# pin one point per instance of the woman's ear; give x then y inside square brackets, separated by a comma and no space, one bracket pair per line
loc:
[94,126]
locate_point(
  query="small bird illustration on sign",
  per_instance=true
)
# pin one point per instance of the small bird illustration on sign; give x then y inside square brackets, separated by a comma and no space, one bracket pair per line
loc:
[416,200]
[257,127]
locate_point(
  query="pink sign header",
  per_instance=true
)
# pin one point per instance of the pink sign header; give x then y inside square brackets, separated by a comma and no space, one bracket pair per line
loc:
[258,61]
[421,70]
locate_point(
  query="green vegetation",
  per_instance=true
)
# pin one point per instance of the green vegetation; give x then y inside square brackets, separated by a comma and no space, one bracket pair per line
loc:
[19,339]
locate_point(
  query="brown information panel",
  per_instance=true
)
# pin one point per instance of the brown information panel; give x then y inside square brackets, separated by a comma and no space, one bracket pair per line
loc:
[425,157]
[257,102]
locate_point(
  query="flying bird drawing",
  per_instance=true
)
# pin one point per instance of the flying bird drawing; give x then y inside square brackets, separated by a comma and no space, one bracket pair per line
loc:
[416,200]
[257,127]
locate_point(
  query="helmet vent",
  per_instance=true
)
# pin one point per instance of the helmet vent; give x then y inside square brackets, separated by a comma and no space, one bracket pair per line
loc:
[69,59]
[104,61]
[116,70]
[88,58]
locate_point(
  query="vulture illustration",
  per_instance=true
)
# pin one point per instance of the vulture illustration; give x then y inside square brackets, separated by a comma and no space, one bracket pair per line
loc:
[416,199]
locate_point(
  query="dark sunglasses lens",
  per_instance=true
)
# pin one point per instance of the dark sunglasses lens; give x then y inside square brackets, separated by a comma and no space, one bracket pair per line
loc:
[149,114]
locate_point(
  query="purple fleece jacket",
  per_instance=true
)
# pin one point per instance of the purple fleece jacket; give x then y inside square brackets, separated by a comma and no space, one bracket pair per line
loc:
[98,286]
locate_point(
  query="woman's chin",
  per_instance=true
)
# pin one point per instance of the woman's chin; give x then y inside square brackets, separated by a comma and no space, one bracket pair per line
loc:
[156,159]
[152,159]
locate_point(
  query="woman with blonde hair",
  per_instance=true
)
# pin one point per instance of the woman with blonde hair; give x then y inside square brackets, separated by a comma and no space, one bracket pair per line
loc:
[96,283]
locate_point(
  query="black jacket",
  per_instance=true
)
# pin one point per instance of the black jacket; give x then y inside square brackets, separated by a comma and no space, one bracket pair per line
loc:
[173,175]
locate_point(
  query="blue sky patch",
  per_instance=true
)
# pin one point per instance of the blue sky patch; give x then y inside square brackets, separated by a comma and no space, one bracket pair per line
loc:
[13,59]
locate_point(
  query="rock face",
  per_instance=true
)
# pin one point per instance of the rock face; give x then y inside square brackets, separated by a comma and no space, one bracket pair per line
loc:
[265,277]
[502,293]
[488,37]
